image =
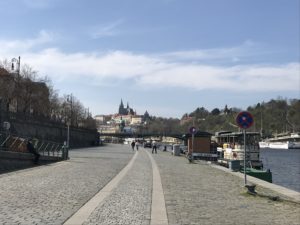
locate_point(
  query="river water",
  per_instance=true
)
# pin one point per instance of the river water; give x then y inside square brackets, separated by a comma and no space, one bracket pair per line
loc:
[284,165]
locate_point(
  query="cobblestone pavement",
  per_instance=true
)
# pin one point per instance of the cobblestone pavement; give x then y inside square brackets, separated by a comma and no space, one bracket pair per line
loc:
[52,193]
[199,194]
[194,193]
[130,202]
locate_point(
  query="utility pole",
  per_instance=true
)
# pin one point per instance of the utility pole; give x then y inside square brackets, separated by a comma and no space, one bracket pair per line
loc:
[17,68]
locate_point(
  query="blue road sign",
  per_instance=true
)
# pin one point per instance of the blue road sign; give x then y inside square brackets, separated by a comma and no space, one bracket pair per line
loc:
[244,120]
[193,130]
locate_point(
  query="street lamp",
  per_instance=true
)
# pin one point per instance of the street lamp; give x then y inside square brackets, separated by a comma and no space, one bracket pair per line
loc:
[18,63]
[16,67]
[69,119]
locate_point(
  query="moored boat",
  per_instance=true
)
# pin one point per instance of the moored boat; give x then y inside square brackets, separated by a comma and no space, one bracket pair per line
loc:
[280,144]
[231,152]
[265,175]
[286,141]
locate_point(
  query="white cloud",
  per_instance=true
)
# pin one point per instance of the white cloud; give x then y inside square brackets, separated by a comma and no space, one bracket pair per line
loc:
[11,47]
[104,30]
[237,79]
[156,71]
[248,48]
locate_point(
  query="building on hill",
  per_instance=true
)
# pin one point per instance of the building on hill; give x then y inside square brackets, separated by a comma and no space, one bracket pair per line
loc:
[122,110]
[125,111]
[146,116]
[126,119]
[186,119]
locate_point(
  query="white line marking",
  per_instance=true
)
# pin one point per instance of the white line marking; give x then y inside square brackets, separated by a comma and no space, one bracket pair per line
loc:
[86,210]
[158,208]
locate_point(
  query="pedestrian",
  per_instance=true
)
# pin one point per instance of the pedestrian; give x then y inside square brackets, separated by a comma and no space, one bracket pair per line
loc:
[154,147]
[165,148]
[137,145]
[132,145]
[32,150]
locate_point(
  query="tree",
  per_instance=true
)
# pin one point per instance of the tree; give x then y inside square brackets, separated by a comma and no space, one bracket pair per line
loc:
[215,112]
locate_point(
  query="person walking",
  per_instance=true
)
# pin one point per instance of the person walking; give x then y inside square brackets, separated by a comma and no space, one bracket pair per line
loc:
[154,147]
[32,150]
[137,145]
[132,145]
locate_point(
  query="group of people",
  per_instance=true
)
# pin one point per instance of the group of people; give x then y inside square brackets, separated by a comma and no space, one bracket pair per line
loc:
[135,144]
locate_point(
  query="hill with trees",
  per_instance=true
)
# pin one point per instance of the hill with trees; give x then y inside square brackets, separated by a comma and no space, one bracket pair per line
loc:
[276,116]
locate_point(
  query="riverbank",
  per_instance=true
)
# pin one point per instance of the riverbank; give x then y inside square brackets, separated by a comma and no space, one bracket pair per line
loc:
[197,193]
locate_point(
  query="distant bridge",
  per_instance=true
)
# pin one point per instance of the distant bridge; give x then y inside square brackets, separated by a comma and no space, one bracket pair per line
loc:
[143,135]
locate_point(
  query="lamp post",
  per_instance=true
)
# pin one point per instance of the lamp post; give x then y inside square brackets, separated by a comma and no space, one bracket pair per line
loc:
[16,67]
[69,122]
[18,62]
[70,101]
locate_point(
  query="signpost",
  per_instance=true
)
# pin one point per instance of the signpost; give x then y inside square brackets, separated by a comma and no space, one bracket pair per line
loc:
[193,131]
[244,120]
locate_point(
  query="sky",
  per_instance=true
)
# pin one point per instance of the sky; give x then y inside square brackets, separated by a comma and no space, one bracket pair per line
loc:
[164,56]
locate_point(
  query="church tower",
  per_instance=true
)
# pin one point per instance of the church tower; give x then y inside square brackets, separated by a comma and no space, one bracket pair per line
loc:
[121,108]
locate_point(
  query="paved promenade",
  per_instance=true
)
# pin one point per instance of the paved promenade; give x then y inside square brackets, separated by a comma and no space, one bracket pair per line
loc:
[199,194]
[51,194]
[193,193]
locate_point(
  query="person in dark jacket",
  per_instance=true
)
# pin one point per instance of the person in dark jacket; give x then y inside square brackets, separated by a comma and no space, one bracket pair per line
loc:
[32,150]
[154,147]
[132,145]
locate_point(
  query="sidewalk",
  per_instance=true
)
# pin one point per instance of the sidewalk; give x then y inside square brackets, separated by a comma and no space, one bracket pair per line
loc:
[200,194]
[48,195]
[194,193]
[130,201]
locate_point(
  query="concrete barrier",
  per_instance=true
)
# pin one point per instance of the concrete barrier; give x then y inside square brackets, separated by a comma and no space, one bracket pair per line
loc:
[11,161]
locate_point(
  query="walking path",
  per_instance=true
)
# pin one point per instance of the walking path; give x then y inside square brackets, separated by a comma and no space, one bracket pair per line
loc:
[152,189]
[200,194]
[50,194]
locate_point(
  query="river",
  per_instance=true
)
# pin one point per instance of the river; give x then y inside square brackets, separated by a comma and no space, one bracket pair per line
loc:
[284,165]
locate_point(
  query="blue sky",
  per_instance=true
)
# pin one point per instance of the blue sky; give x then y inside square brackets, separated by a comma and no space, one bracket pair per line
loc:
[165,56]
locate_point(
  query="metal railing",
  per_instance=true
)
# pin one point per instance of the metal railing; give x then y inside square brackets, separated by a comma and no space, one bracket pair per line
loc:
[14,143]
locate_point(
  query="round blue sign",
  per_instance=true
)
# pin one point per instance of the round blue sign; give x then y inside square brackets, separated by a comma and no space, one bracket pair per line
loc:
[244,120]
[193,130]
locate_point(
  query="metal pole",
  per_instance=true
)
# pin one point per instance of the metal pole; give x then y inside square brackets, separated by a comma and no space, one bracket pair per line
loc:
[193,135]
[19,65]
[245,175]
[68,136]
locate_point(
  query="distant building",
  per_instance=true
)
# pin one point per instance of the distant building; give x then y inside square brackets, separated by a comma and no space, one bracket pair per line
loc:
[136,120]
[125,111]
[108,129]
[102,119]
[186,119]
[126,120]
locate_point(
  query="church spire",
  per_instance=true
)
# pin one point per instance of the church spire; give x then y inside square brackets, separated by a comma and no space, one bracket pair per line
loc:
[121,107]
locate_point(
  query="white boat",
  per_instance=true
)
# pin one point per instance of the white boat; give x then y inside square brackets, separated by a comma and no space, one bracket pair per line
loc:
[279,144]
[264,144]
[282,141]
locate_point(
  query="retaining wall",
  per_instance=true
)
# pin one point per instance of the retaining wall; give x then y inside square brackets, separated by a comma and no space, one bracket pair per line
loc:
[27,126]
[11,161]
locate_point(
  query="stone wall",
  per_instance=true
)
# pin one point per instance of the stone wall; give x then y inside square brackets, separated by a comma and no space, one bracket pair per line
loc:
[41,128]
[12,161]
